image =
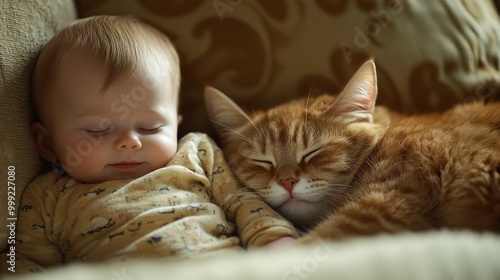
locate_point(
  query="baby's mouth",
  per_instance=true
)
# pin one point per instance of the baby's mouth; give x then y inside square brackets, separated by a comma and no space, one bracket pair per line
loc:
[124,165]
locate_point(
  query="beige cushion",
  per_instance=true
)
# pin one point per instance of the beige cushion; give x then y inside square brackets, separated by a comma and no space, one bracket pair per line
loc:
[24,27]
[430,256]
[430,54]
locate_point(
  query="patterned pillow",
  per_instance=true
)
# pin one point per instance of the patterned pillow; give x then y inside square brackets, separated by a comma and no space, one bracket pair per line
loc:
[429,54]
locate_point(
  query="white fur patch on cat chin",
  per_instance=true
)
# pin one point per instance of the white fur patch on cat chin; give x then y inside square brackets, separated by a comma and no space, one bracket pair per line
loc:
[302,213]
[304,208]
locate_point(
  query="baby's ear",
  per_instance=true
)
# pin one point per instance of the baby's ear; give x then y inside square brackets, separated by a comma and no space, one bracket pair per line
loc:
[43,142]
[357,100]
[224,112]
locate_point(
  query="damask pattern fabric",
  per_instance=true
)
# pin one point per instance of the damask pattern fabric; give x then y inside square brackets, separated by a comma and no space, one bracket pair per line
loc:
[429,54]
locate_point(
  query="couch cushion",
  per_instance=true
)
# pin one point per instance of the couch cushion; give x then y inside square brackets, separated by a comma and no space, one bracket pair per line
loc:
[429,54]
[25,27]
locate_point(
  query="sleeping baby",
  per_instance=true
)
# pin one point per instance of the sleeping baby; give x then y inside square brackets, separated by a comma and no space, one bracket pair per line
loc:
[105,90]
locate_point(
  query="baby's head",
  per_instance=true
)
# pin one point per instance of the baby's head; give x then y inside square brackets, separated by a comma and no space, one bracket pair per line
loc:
[105,90]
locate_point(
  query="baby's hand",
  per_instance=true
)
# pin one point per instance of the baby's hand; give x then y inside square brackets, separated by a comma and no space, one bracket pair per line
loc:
[286,241]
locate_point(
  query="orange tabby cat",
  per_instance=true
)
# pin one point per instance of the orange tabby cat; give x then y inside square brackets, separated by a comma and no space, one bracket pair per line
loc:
[343,167]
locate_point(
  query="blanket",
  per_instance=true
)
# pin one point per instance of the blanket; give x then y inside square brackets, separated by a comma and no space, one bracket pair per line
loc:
[192,206]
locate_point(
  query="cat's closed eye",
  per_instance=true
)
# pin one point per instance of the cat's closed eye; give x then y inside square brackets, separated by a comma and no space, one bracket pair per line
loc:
[265,163]
[308,155]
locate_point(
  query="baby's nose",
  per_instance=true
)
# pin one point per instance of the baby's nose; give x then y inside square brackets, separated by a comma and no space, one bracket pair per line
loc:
[128,140]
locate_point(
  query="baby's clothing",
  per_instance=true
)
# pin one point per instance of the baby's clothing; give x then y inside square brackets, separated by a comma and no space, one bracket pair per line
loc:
[193,205]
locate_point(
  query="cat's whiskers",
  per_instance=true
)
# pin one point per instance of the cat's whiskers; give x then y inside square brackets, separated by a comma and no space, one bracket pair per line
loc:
[253,124]
[239,134]
[307,101]
[332,187]
[259,130]
[337,184]
[333,195]
[229,129]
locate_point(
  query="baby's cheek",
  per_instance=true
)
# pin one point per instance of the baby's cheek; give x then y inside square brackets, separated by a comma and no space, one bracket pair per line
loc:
[83,161]
[161,151]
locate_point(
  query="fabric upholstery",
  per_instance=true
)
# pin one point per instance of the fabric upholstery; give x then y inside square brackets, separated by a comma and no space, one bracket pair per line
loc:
[25,26]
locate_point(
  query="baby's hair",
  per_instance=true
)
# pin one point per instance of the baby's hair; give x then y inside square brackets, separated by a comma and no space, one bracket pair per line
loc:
[120,44]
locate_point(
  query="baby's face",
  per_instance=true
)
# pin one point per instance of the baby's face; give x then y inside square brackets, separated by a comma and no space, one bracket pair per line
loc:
[125,132]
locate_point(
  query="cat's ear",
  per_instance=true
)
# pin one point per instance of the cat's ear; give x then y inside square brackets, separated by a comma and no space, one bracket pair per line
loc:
[223,111]
[357,100]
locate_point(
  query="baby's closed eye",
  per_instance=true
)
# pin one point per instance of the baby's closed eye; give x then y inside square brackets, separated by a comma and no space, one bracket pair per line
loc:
[150,130]
[96,132]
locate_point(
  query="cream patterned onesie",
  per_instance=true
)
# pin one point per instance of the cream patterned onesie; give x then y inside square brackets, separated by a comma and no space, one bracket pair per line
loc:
[189,207]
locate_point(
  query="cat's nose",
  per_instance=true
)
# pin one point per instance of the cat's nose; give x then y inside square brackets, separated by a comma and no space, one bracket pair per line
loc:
[288,183]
